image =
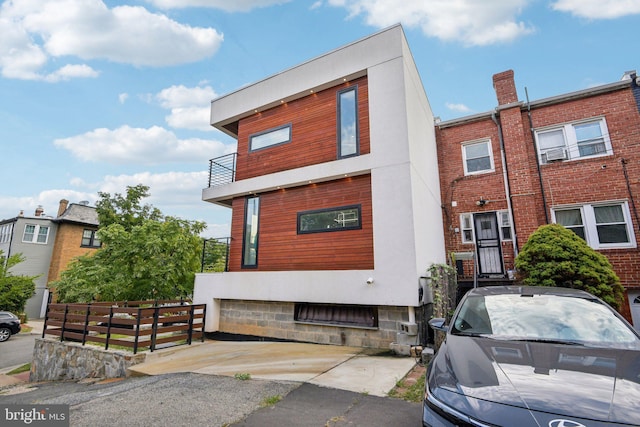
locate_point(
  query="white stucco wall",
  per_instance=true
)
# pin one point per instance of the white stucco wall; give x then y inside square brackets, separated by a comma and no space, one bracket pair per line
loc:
[407,218]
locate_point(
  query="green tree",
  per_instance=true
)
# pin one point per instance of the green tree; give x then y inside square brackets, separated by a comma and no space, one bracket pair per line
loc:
[215,255]
[144,255]
[14,290]
[556,256]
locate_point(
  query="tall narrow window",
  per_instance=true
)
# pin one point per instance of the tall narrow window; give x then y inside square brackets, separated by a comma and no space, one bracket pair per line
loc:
[250,242]
[348,144]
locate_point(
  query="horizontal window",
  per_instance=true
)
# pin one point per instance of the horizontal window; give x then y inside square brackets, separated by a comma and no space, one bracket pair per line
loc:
[333,314]
[333,219]
[89,238]
[606,225]
[573,141]
[35,234]
[269,138]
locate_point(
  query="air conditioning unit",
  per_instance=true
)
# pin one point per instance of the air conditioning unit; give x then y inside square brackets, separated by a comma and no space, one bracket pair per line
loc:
[555,154]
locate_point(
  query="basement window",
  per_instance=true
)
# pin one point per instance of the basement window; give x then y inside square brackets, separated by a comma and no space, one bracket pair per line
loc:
[337,315]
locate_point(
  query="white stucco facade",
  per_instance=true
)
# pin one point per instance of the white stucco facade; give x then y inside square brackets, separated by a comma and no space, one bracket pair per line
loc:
[407,220]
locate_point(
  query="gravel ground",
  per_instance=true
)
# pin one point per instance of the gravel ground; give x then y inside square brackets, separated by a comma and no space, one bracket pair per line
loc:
[183,399]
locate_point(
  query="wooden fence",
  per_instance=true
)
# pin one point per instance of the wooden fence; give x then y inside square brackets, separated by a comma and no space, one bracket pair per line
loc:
[146,325]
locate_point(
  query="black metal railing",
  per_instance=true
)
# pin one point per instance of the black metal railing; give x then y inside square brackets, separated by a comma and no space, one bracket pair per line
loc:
[215,255]
[222,170]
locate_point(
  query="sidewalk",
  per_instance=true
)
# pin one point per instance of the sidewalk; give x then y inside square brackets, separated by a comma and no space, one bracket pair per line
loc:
[6,380]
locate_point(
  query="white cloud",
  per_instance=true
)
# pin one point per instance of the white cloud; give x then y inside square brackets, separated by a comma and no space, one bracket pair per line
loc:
[123,97]
[598,9]
[471,22]
[190,107]
[460,108]
[34,31]
[49,200]
[141,146]
[227,5]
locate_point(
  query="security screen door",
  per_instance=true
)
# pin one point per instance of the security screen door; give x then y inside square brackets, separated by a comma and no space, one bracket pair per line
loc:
[488,244]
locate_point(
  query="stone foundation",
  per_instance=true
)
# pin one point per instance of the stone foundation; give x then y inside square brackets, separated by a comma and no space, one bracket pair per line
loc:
[275,320]
[55,360]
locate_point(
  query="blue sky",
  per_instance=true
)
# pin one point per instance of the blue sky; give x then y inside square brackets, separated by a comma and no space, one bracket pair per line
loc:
[96,95]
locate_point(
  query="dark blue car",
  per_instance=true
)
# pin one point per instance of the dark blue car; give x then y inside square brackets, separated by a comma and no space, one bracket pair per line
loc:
[534,356]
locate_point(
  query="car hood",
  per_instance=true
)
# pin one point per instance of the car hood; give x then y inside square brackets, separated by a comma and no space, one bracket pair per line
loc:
[566,380]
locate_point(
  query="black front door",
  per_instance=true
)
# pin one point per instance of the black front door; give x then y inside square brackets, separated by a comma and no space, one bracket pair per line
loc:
[488,244]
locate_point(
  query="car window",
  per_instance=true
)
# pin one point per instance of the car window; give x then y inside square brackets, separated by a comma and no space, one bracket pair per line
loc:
[545,317]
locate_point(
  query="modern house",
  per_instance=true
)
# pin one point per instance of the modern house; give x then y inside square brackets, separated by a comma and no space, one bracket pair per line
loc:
[48,244]
[571,159]
[335,198]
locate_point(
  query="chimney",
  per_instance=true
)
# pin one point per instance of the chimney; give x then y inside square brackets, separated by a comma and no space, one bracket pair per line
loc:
[505,87]
[39,211]
[63,207]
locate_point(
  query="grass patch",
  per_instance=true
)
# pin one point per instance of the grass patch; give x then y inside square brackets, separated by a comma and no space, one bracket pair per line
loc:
[270,401]
[242,377]
[410,392]
[23,368]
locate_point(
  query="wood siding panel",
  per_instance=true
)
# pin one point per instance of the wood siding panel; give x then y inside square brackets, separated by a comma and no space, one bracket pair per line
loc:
[313,122]
[282,249]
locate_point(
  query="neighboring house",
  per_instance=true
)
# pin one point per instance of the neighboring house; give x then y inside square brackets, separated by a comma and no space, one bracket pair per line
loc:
[48,244]
[572,159]
[33,237]
[76,235]
[335,198]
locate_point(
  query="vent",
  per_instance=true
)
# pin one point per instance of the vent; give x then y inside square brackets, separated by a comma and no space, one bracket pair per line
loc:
[555,154]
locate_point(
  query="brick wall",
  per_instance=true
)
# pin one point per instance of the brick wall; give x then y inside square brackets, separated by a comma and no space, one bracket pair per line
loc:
[275,320]
[66,247]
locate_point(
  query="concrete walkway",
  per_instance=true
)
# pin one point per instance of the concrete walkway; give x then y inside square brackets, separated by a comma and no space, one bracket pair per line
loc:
[347,368]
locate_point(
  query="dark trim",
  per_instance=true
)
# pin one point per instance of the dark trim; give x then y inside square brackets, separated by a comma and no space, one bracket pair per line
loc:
[355,316]
[289,126]
[353,88]
[358,207]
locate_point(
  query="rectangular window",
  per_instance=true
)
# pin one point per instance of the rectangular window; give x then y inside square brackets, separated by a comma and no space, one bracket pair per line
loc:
[5,233]
[348,137]
[606,225]
[35,234]
[250,239]
[504,222]
[276,136]
[574,141]
[89,238]
[339,315]
[332,219]
[477,157]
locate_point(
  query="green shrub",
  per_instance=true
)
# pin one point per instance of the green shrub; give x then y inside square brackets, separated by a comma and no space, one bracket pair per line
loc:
[556,256]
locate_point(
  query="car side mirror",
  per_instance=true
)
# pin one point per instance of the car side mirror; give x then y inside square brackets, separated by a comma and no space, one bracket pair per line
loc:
[438,324]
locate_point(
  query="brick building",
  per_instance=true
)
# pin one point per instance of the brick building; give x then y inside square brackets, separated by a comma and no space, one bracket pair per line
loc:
[571,159]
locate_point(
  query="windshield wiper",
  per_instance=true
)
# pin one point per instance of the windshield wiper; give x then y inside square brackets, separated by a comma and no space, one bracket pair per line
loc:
[472,334]
[545,340]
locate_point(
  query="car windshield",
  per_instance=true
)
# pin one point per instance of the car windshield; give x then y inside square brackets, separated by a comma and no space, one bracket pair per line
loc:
[543,318]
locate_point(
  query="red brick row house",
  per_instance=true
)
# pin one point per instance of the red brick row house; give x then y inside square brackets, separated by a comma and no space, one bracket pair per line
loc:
[345,189]
[571,159]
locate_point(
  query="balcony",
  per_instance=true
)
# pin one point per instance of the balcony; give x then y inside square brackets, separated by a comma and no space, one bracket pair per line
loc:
[222,170]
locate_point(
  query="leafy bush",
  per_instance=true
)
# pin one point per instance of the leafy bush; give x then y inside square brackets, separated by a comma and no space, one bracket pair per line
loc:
[14,290]
[556,256]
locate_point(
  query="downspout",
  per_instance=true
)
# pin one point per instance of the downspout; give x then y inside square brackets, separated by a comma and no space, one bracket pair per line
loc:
[535,146]
[507,187]
[624,162]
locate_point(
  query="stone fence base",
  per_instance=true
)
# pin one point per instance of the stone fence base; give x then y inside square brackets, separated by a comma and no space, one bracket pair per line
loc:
[55,360]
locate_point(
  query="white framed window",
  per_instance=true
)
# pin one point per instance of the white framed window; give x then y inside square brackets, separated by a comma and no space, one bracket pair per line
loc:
[504,224]
[477,157]
[5,233]
[34,233]
[572,141]
[602,225]
[466,228]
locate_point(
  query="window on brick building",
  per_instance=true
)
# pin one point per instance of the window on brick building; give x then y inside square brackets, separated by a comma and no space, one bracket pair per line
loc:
[90,238]
[34,233]
[477,157]
[573,141]
[467,227]
[602,225]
